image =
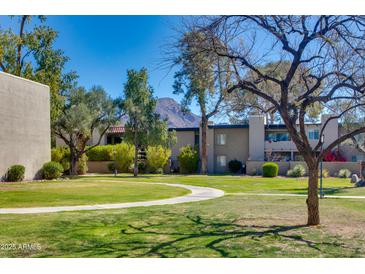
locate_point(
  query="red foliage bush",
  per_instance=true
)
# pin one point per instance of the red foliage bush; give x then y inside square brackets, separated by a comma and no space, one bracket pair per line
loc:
[334,156]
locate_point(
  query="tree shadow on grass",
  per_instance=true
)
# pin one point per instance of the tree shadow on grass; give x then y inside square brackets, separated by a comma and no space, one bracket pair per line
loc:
[191,236]
[219,232]
[326,190]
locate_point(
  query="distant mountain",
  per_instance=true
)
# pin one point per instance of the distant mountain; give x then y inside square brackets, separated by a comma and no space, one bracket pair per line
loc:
[170,109]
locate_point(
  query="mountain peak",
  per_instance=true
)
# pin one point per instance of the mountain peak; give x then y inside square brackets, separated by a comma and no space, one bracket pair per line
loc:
[169,109]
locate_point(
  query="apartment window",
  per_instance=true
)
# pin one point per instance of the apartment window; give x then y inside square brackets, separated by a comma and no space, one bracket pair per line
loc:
[221,161]
[221,139]
[277,136]
[313,134]
[353,158]
[196,138]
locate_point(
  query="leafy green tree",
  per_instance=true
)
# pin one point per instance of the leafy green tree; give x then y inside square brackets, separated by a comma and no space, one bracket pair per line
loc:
[27,50]
[203,78]
[144,126]
[83,113]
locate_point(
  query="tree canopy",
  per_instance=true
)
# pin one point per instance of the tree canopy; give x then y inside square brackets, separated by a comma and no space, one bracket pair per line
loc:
[144,126]
[325,54]
[27,49]
[84,113]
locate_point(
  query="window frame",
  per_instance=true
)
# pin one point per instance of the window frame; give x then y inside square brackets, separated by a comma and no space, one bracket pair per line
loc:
[314,133]
[218,139]
[219,162]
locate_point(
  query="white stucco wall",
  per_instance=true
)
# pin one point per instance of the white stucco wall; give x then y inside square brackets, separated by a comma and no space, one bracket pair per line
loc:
[24,125]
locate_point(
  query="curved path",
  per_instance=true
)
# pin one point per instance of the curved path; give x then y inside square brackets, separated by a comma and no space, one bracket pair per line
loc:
[198,193]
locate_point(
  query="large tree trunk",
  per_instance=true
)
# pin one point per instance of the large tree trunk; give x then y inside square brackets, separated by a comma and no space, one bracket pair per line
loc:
[312,200]
[204,157]
[135,169]
[73,162]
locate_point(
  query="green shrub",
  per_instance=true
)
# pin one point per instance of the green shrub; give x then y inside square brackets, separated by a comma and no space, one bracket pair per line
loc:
[65,164]
[188,159]
[57,154]
[270,169]
[297,171]
[16,173]
[157,158]
[344,173]
[124,156]
[142,166]
[52,170]
[101,153]
[62,156]
[325,173]
[82,164]
[111,167]
[234,166]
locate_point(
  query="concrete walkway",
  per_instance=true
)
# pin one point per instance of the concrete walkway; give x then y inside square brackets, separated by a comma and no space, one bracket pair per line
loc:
[294,195]
[198,193]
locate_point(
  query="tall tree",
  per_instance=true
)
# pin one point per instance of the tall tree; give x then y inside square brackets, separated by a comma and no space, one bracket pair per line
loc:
[331,47]
[84,113]
[144,126]
[240,103]
[202,78]
[27,50]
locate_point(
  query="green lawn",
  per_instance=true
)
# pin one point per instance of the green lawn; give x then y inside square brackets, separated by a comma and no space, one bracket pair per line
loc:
[246,184]
[81,192]
[231,226]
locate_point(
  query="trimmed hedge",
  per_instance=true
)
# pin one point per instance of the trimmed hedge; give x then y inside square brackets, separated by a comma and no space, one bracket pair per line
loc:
[188,159]
[52,170]
[234,166]
[16,173]
[101,153]
[270,169]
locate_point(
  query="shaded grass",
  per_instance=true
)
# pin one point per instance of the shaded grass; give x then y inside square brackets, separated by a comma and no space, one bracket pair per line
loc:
[79,192]
[231,226]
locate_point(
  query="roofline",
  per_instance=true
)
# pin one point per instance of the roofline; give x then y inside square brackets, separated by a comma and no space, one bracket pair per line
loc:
[184,128]
[228,126]
[24,79]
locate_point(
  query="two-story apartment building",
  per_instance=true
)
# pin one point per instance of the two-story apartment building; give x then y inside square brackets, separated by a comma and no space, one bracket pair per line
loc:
[258,141]
[254,141]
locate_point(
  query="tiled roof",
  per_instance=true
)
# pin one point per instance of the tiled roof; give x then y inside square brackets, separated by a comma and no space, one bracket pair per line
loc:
[116,129]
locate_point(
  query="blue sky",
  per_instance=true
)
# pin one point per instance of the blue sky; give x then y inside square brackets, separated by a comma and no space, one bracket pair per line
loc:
[102,48]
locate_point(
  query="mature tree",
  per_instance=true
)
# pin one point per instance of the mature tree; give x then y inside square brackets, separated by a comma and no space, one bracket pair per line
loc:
[84,113]
[328,52]
[240,103]
[144,126]
[30,53]
[202,78]
[353,117]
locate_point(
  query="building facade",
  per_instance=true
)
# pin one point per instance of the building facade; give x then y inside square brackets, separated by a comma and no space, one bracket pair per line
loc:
[25,137]
[255,141]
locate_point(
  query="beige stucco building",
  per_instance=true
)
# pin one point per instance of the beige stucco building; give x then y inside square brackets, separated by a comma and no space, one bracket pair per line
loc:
[253,142]
[24,125]
[258,141]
